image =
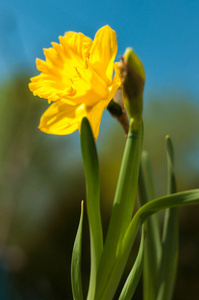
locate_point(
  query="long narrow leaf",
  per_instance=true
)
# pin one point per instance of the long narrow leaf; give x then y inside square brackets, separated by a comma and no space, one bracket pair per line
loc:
[148,174]
[135,274]
[169,257]
[91,168]
[76,279]
[152,243]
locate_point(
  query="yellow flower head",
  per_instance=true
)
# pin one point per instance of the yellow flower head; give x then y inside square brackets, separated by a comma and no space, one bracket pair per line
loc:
[78,77]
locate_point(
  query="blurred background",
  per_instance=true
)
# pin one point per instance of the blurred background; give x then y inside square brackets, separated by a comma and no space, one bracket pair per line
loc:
[41,176]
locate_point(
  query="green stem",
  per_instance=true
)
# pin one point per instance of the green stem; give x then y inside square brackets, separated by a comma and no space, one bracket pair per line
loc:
[123,205]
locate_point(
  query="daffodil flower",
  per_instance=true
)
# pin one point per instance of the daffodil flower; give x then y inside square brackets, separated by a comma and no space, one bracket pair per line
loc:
[78,77]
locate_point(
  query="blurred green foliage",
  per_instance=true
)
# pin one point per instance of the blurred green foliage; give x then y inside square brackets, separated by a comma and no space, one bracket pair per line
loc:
[42,185]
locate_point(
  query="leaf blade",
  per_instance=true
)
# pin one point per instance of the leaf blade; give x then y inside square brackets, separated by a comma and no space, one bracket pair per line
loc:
[91,168]
[76,279]
[168,263]
[135,274]
[152,243]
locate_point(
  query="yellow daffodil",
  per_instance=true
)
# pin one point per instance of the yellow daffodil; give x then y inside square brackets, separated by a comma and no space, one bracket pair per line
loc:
[78,77]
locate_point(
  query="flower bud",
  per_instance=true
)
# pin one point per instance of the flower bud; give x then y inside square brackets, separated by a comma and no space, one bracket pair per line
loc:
[133,78]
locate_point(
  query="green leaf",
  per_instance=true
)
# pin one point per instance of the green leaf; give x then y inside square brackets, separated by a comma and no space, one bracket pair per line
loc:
[135,274]
[147,170]
[152,243]
[122,207]
[91,168]
[168,264]
[174,200]
[76,279]
[170,165]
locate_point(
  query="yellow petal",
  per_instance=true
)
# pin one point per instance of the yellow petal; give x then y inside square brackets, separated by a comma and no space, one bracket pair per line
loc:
[94,115]
[116,80]
[103,52]
[50,87]
[61,118]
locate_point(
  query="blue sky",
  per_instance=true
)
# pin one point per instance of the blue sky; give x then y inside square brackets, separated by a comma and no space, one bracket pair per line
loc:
[164,34]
